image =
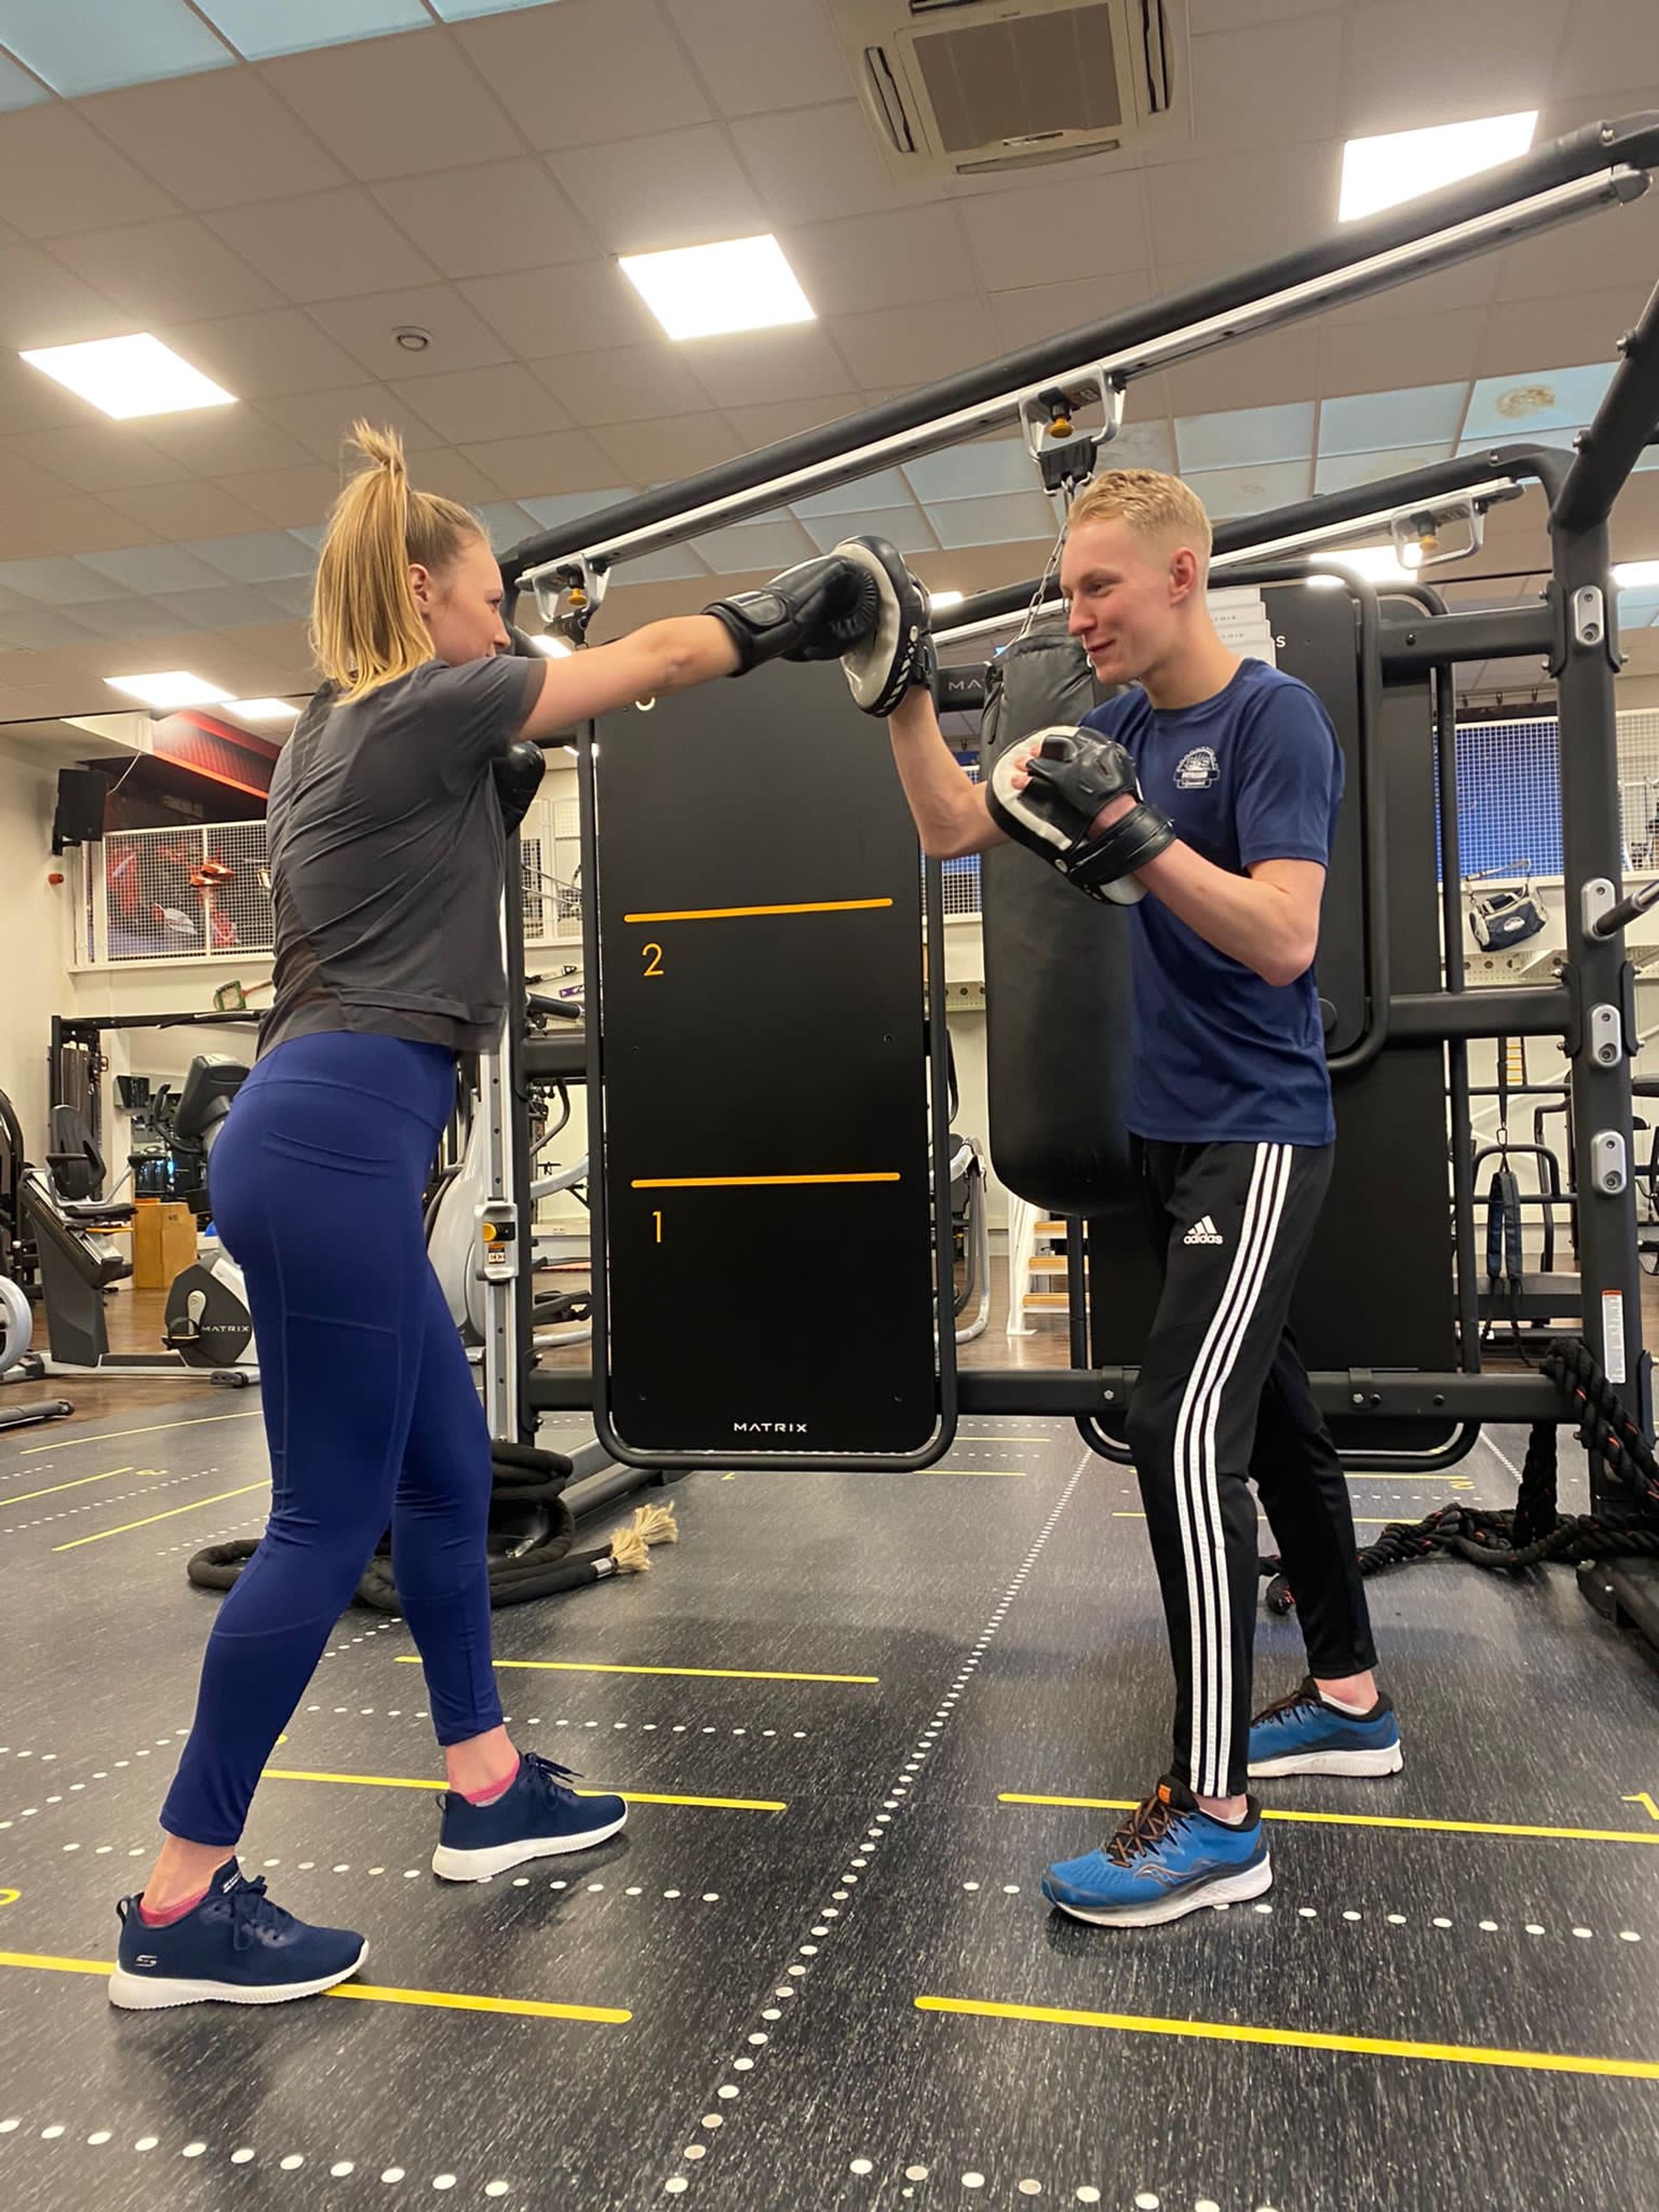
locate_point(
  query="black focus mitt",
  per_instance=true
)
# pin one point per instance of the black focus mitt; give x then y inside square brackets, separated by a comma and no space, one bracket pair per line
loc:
[517,773]
[1073,773]
[898,650]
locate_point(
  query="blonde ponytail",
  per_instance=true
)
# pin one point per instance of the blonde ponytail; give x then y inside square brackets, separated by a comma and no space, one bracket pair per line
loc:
[366,626]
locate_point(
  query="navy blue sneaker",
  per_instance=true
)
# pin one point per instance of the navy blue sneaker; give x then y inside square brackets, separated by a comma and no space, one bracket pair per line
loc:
[1302,1735]
[235,1947]
[1168,1858]
[539,1816]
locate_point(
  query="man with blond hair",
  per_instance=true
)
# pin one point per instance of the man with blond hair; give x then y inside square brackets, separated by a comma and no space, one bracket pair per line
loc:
[1206,797]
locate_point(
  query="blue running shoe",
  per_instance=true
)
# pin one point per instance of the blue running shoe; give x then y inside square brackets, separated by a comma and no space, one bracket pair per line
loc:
[1168,1858]
[539,1816]
[235,1947]
[1302,1735]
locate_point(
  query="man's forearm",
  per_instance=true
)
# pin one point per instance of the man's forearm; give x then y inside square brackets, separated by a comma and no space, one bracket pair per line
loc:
[1252,921]
[951,815]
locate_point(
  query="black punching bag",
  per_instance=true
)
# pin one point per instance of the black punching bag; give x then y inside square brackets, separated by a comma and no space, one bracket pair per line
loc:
[1056,972]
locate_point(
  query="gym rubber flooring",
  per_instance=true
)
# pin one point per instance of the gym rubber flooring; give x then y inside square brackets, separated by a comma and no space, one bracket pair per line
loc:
[855,1715]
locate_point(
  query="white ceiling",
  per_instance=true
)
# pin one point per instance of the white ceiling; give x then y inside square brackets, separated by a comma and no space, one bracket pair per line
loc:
[276,221]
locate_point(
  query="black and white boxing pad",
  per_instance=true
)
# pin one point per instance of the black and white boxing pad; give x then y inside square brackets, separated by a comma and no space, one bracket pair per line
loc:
[1073,773]
[898,651]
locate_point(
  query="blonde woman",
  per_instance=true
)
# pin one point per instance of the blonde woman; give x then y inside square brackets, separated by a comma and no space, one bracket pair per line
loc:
[388,816]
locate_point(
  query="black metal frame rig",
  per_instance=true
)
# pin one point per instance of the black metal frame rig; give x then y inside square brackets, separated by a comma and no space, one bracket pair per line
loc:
[1590,1008]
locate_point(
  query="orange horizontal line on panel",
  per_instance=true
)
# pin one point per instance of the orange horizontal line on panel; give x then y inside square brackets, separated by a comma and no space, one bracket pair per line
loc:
[746,1183]
[745,912]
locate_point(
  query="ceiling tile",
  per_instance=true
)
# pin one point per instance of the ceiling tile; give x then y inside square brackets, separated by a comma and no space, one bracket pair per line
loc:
[1366,356]
[1528,331]
[259,28]
[677,188]
[26,477]
[1248,71]
[667,568]
[461,340]
[165,271]
[1141,444]
[82,525]
[1227,492]
[882,260]
[290,498]
[754,55]
[41,631]
[317,246]
[394,108]
[188,510]
[1244,438]
[293,594]
[528,468]
[502,215]
[507,522]
[897,345]
[1536,401]
[227,606]
[1098,228]
[129,617]
[454,475]
[219,441]
[753,366]
[100,456]
[29,399]
[1612,40]
[18,89]
[547,514]
[78,46]
[586,307]
[1014,519]
[627,384]
[905,528]
[322,420]
[1482,56]
[1342,471]
[1281,365]
[776,543]
[57,176]
[43,304]
[57,583]
[214,142]
[281,351]
[153,569]
[1245,207]
[676,446]
[786,418]
[265,557]
[815,159]
[470,403]
[1034,312]
[1447,291]
[999,466]
[1229,14]
[585,72]
[1375,422]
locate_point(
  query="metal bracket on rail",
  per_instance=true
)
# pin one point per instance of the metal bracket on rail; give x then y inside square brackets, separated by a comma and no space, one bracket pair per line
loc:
[1065,455]
[569,593]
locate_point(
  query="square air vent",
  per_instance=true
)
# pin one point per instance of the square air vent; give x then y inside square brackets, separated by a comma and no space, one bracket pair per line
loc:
[967,88]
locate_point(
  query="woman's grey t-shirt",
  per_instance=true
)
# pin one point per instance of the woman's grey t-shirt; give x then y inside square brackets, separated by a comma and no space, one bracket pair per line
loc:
[387,857]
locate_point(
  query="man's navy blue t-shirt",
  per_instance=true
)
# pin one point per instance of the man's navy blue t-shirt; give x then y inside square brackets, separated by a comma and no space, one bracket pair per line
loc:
[1254,774]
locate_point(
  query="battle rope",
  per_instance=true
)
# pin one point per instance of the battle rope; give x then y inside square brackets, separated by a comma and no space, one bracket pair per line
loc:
[531,1534]
[1534,1530]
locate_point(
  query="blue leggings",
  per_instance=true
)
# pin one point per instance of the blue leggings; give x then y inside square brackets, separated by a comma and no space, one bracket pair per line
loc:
[371,1413]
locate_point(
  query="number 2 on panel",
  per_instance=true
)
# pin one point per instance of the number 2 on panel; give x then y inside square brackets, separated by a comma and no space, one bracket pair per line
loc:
[652,959]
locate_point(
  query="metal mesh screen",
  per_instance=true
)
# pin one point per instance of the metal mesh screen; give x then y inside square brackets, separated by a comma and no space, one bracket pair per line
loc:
[179,894]
[1508,794]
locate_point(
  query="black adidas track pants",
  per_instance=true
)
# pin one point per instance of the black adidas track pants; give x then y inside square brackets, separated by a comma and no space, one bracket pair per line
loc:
[1223,1396]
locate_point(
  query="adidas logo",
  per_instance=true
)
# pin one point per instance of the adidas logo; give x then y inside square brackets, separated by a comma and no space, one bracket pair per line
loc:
[1204,1232]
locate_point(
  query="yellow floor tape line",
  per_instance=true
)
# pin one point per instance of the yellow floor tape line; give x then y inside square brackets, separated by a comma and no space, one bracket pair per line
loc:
[699,1674]
[443,2000]
[1291,2039]
[150,1519]
[1364,1821]
[631,1797]
[154,1429]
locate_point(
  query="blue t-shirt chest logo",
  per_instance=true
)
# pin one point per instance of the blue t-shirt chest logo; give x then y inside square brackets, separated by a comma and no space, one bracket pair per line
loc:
[1198,770]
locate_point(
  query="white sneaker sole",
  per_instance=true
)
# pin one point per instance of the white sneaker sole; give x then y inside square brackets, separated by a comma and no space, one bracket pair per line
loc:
[1388,1759]
[1233,1889]
[451,1865]
[137,1993]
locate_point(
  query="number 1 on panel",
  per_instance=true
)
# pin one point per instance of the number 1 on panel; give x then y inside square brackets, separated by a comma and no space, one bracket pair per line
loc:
[657,1218]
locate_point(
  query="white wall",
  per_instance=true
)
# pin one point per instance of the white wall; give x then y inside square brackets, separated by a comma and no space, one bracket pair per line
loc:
[34,918]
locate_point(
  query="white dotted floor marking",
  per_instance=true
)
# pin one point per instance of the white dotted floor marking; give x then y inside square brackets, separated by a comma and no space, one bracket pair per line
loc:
[876,1835]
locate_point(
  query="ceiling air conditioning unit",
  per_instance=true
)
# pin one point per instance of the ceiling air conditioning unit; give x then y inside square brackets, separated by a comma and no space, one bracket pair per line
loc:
[971,88]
